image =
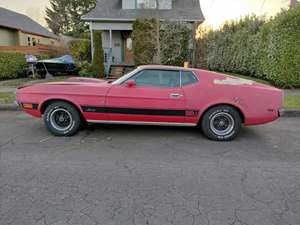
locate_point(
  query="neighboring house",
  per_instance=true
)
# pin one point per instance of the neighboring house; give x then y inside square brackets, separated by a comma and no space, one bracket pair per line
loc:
[19,30]
[115,18]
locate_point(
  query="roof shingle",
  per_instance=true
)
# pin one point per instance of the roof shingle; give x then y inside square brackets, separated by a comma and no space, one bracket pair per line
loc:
[182,10]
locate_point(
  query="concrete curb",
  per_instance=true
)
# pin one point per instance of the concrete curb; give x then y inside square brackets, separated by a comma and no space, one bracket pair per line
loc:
[284,113]
[290,113]
[9,107]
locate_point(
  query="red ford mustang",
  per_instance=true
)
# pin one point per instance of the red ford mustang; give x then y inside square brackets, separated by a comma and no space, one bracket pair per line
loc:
[155,95]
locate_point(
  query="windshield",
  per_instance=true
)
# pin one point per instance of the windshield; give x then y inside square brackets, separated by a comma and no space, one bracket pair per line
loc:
[126,77]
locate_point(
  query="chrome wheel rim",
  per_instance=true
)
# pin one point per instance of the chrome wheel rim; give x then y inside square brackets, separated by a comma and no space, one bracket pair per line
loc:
[222,124]
[61,119]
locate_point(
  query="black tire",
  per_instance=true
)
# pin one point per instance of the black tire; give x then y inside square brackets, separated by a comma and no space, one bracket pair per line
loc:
[221,123]
[62,119]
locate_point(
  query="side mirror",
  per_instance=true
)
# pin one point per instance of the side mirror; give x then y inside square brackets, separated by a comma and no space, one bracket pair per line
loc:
[131,83]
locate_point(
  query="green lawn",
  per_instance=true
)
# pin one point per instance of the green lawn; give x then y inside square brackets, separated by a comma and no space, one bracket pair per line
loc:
[7,97]
[292,102]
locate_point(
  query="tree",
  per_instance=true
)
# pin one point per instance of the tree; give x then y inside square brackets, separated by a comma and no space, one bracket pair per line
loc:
[64,16]
[144,41]
[98,58]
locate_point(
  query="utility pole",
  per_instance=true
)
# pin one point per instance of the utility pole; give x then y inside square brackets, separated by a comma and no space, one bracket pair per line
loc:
[157,59]
[293,4]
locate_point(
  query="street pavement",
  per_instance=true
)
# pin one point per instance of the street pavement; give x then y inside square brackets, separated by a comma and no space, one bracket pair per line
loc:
[131,175]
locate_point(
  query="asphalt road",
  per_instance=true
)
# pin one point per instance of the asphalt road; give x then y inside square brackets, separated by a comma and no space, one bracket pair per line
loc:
[126,175]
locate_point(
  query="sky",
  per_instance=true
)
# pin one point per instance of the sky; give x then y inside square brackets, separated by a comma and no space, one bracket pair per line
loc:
[216,12]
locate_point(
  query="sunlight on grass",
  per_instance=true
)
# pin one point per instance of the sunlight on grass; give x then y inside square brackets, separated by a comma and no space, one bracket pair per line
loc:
[292,102]
[7,97]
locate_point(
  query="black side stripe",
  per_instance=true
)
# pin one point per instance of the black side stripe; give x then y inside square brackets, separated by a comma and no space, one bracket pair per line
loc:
[130,111]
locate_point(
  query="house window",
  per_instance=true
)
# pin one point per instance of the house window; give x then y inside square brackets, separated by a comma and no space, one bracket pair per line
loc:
[33,42]
[29,41]
[146,4]
[129,43]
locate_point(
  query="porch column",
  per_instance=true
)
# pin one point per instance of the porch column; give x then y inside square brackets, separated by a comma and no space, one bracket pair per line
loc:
[92,40]
[110,40]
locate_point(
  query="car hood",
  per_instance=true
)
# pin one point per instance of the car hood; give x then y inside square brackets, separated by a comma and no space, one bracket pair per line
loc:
[74,81]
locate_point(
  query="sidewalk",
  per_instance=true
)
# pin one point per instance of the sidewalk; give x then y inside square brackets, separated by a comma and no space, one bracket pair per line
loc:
[292,92]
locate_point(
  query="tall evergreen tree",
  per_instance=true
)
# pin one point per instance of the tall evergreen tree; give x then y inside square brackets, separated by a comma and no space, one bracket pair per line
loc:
[64,16]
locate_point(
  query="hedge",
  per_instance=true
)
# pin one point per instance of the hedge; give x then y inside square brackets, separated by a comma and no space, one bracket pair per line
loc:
[81,49]
[12,65]
[144,44]
[174,42]
[97,67]
[252,46]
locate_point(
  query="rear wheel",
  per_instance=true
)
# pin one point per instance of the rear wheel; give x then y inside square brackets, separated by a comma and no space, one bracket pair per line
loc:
[221,123]
[62,119]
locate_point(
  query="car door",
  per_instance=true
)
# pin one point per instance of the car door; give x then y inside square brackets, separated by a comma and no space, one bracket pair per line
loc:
[155,97]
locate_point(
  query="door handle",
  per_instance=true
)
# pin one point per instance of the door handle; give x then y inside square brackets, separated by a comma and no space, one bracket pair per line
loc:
[176,95]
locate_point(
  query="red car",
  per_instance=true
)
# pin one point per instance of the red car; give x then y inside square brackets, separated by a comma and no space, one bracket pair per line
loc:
[155,95]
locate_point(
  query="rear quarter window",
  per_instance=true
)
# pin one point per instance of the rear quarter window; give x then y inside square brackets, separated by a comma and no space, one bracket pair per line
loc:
[188,78]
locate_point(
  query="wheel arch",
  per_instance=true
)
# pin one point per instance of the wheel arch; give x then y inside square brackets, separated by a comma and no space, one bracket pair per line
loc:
[47,102]
[239,110]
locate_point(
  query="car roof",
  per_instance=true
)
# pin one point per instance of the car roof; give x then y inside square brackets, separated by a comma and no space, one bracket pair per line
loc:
[163,67]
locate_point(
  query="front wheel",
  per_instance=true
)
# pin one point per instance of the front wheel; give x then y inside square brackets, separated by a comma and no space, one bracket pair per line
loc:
[62,119]
[221,123]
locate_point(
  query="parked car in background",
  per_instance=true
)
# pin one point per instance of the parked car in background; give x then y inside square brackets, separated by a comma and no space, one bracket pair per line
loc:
[155,95]
[56,66]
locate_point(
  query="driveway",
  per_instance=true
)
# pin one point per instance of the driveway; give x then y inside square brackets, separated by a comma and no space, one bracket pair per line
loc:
[126,175]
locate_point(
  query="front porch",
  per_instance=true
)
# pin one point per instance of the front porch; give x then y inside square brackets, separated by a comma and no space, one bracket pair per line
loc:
[116,43]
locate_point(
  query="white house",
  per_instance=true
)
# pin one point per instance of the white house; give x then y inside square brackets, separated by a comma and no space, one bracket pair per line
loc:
[115,18]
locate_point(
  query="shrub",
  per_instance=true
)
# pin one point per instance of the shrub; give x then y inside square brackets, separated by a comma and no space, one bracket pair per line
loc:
[12,65]
[251,46]
[81,49]
[97,68]
[86,69]
[283,49]
[174,42]
[144,37]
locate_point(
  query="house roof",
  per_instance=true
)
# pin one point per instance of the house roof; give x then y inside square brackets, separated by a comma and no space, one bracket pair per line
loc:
[14,20]
[111,10]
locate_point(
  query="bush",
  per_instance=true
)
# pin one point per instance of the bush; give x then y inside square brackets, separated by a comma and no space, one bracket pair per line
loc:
[174,41]
[283,49]
[97,68]
[12,65]
[144,43]
[81,49]
[251,46]
[86,70]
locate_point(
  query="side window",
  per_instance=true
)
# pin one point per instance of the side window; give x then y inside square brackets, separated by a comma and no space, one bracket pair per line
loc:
[157,78]
[147,78]
[170,78]
[188,78]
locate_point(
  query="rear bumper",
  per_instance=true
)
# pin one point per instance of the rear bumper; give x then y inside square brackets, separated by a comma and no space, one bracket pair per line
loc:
[263,119]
